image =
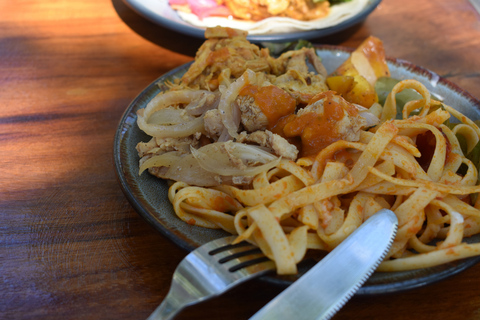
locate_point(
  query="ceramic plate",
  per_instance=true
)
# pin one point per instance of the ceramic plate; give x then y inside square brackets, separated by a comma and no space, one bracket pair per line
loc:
[160,12]
[148,195]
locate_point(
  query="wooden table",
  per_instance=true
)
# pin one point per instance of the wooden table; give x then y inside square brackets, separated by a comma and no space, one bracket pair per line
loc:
[71,246]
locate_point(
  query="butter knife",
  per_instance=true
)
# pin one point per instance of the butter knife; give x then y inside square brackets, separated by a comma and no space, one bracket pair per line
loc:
[327,286]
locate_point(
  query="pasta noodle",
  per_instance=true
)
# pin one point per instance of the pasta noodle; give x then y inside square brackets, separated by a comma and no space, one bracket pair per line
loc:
[279,205]
[315,202]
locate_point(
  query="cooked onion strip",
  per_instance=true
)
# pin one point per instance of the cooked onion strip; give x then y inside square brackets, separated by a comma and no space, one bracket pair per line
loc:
[217,158]
[371,118]
[168,116]
[228,109]
[165,100]
[164,160]
[183,129]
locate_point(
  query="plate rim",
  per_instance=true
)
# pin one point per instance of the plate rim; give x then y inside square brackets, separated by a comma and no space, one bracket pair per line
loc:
[145,10]
[181,241]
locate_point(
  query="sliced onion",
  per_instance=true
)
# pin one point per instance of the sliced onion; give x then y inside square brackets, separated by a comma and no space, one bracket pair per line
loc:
[181,168]
[174,131]
[169,116]
[214,158]
[171,98]
[164,100]
[188,170]
[228,109]
[224,136]
[250,152]
[205,103]
[164,160]
[372,120]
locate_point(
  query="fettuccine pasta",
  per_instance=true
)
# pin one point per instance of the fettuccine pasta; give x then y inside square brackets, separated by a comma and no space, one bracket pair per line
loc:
[414,166]
[293,208]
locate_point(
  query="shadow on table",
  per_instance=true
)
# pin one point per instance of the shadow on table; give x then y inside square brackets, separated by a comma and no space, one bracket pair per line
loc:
[188,45]
[164,37]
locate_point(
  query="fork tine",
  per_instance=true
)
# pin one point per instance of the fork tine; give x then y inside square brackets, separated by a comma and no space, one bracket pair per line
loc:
[241,255]
[234,252]
[238,257]
[230,246]
[218,243]
[254,265]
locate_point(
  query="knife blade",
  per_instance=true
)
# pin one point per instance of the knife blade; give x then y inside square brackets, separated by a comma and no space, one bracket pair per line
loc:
[327,286]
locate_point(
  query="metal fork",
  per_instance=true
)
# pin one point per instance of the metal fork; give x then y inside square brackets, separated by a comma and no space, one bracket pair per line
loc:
[209,271]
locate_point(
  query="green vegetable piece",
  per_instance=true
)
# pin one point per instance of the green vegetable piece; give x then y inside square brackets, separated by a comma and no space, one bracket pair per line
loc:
[384,86]
[474,155]
[277,48]
[302,44]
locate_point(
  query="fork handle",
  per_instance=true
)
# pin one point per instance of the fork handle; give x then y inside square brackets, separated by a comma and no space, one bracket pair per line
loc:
[175,301]
[165,311]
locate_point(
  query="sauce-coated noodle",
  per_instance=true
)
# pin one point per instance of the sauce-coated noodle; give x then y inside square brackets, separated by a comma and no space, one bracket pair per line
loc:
[413,166]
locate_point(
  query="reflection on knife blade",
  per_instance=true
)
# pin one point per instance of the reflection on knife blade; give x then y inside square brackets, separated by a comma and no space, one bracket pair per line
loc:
[325,288]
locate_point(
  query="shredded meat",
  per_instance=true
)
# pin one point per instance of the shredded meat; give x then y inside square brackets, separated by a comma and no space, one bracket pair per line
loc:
[158,146]
[252,117]
[224,48]
[213,123]
[348,128]
[243,79]
[279,145]
[297,78]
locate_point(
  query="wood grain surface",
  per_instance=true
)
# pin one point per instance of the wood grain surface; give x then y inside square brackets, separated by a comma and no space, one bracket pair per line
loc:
[71,246]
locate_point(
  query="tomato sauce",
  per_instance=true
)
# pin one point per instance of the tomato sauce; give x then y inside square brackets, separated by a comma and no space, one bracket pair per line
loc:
[317,131]
[309,132]
[274,102]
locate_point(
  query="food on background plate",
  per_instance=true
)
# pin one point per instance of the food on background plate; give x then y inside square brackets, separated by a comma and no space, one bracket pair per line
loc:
[267,16]
[263,148]
[255,10]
